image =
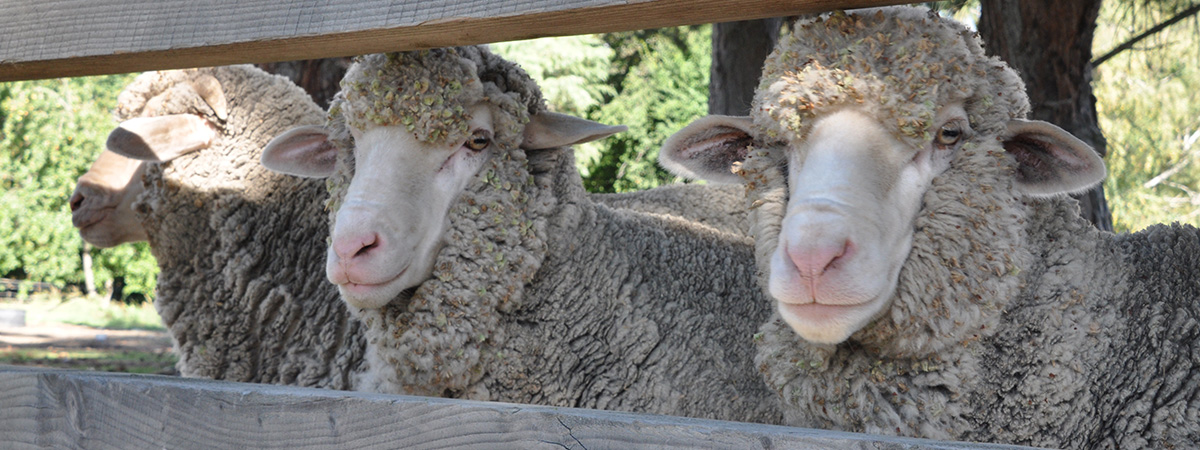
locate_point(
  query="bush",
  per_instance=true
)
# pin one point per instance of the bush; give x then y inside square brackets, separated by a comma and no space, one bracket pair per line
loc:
[51,132]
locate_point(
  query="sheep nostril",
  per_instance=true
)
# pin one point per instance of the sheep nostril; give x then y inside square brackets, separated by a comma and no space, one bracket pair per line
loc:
[76,201]
[354,247]
[366,249]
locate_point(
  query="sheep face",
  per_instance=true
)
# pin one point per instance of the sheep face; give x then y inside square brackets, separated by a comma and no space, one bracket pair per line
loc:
[842,150]
[390,224]
[407,136]
[102,204]
[850,165]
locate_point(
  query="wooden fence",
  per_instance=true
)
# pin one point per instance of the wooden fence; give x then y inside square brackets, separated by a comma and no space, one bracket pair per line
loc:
[61,38]
[47,408]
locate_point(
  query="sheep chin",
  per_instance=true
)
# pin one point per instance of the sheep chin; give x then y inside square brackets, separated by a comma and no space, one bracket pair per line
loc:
[830,324]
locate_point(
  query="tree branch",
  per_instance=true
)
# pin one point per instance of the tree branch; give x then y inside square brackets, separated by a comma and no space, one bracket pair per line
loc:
[1130,43]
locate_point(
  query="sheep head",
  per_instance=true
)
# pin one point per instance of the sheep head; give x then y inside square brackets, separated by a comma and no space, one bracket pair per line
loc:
[407,136]
[163,115]
[871,133]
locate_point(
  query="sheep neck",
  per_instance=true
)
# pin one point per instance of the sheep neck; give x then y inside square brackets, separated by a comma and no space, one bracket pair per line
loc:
[634,312]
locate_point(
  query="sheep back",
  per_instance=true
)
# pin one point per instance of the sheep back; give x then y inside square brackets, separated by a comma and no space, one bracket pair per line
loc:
[240,249]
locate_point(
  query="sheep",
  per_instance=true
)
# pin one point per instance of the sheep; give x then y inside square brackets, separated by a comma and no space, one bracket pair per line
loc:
[237,246]
[505,281]
[715,205]
[931,276]
[189,109]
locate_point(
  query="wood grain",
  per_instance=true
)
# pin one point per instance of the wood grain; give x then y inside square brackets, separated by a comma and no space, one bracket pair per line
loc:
[54,408]
[61,38]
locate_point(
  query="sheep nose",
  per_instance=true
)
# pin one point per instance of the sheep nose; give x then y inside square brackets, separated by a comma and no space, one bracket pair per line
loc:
[76,201]
[357,246]
[813,259]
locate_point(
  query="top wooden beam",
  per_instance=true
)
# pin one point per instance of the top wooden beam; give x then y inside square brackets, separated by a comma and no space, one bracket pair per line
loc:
[67,38]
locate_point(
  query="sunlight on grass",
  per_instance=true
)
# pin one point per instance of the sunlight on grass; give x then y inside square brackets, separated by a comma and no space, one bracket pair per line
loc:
[89,359]
[48,309]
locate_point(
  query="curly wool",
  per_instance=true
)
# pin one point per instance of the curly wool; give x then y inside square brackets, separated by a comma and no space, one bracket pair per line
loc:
[717,206]
[1014,321]
[887,65]
[239,249]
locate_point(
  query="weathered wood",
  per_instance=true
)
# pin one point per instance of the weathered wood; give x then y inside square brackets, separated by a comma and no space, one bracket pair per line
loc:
[61,38]
[49,408]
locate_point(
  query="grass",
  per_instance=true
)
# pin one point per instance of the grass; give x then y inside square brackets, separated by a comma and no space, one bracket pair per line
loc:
[52,309]
[90,312]
[104,360]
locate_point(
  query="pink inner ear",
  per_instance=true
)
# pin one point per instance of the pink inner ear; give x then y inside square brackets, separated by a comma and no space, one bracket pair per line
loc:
[717,142]
[706,145]
[1023,150]
[308,154]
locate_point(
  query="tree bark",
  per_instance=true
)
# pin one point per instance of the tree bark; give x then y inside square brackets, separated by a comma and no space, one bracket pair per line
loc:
[1050,45]
[738,51]
[319,77]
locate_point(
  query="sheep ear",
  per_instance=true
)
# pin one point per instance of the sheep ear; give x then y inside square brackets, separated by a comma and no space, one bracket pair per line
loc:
[550,130]
[707,149]
[210,90]
[1051,161]
[301,151]
[160,138]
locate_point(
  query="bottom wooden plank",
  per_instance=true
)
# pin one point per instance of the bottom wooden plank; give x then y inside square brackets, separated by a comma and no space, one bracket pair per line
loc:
[50,408]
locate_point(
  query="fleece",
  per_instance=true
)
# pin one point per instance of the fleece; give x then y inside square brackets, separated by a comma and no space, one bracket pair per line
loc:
[240,249]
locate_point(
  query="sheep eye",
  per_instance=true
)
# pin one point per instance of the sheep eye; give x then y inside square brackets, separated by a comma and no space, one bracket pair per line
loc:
[948,135]
[479,141]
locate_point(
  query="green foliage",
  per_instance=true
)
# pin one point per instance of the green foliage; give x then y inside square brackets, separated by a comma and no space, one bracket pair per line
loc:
[1150,115]
[572,72]
[52,131]
[654,81]
[661,78]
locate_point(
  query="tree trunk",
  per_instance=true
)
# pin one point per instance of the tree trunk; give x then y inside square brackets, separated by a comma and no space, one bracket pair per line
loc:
[89,277]
[319,77]
[1050,45]
[738,51]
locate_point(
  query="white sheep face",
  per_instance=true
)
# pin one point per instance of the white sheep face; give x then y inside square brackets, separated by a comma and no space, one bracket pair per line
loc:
[389,228]
[854,191]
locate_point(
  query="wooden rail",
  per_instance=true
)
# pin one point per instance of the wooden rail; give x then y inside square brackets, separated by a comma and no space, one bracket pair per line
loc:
[55,408]
[67,38]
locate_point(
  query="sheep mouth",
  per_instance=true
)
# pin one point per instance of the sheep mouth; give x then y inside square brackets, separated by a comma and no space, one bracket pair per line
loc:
[819,312]
[824,323]
[374,295]
[84,219]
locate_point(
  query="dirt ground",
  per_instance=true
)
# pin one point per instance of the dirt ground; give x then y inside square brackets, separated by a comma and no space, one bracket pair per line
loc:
[80,347]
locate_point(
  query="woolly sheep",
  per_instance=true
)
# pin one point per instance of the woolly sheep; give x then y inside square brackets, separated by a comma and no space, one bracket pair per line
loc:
[238,247]
[176,113]
[506,281]
[931,277]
